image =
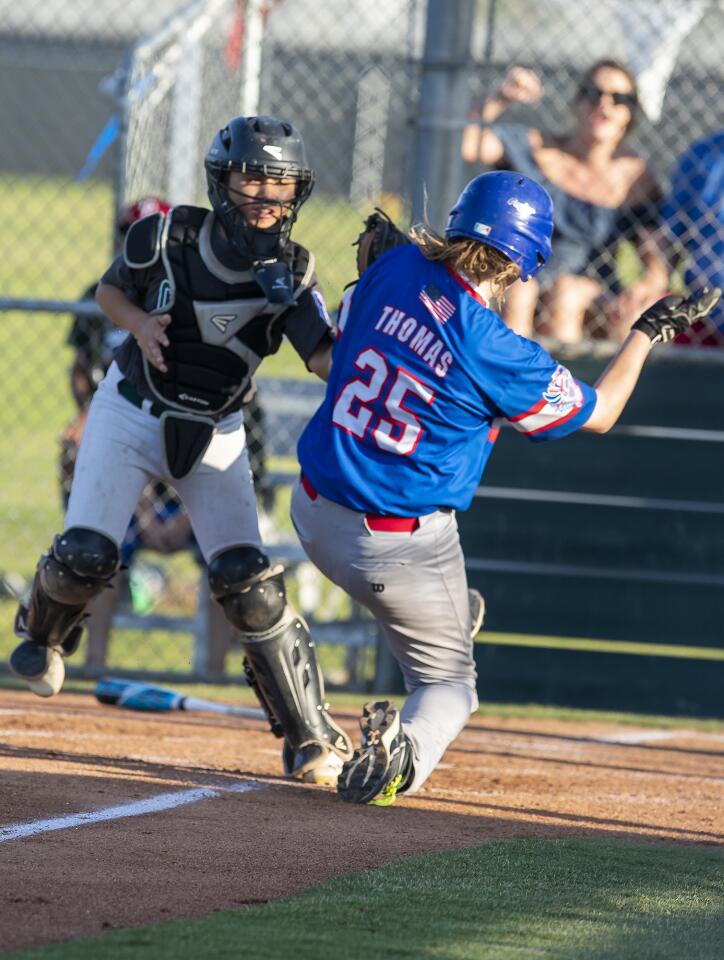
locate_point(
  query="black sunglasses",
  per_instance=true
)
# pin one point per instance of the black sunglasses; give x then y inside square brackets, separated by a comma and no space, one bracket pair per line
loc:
[593,93]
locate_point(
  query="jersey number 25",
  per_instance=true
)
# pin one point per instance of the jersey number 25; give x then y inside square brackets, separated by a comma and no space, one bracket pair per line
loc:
[352,412]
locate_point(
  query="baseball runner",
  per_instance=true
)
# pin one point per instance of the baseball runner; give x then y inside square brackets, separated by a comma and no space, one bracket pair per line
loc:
[424,369]
[205,295]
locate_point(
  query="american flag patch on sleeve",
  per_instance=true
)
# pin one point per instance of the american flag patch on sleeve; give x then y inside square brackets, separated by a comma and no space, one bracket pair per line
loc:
[437,303]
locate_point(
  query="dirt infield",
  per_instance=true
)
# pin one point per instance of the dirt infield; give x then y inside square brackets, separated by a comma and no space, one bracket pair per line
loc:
[246,836]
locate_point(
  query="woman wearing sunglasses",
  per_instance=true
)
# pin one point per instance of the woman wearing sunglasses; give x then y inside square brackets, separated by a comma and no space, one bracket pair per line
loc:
[602,193]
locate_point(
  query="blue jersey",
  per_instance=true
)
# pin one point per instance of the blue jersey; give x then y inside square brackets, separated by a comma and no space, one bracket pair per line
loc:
[421,373]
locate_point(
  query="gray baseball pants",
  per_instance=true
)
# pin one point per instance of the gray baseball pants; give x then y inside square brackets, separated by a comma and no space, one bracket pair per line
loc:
[415,586]
[121,451]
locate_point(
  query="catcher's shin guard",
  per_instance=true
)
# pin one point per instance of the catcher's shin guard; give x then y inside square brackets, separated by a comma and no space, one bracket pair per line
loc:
[282,669]
[77,567]
[281,664]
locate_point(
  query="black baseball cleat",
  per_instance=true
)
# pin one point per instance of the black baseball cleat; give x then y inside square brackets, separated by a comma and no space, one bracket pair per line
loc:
[477,611]
[312,763]
[382,767]
[39,665]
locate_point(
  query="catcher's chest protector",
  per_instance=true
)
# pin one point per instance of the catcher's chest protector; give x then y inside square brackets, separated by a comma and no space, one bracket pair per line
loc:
[222,325]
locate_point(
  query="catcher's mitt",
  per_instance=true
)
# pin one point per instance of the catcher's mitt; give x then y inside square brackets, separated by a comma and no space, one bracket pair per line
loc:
[379,235]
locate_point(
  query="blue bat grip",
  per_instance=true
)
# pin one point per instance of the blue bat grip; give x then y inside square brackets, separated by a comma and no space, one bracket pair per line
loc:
[136,696]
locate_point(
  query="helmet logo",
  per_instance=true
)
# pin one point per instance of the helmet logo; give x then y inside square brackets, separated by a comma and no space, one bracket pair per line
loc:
[276,152]
[523,208]
[483,228]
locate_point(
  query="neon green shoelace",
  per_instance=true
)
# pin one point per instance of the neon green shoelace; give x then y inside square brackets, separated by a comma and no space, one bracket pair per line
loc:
[387,796]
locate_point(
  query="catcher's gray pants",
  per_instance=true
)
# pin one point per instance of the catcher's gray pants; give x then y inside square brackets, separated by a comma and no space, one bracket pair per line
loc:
[415,586]
[121,451]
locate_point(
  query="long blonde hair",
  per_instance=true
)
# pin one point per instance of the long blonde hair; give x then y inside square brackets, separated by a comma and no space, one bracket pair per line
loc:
[474,259]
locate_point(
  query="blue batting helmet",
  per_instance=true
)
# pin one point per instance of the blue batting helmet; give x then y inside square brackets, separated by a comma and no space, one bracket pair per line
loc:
[507,211]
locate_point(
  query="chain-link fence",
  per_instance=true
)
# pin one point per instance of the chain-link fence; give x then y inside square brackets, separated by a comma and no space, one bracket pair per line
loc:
[104,104]
[110,106]
[576,128]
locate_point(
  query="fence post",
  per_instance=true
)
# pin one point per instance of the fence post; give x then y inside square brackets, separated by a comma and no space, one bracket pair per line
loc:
[442,109]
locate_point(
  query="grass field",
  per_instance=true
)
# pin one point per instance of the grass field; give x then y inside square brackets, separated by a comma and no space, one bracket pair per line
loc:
[519,900]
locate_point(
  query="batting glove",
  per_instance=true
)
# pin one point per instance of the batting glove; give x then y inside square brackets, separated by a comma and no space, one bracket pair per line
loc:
[675,314]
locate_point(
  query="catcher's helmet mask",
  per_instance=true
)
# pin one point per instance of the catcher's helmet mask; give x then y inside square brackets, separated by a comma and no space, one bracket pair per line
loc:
[262,148]
[510,212]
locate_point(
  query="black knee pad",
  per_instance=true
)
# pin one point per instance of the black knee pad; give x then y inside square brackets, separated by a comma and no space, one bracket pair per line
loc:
[235,568]
[87,552]
[78,566]
[250,591]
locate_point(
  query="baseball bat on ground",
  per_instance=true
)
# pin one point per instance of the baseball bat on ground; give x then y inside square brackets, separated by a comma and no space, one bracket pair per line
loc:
[135,695]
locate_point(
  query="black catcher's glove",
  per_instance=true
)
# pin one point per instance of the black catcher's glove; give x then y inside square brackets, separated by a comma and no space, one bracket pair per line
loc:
[379,235]
[675,314]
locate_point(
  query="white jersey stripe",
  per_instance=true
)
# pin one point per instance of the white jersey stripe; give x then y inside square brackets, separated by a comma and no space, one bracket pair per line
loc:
[543,419]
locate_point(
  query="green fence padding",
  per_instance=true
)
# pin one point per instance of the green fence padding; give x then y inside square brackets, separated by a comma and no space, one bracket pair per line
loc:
[576,678]
[555,553]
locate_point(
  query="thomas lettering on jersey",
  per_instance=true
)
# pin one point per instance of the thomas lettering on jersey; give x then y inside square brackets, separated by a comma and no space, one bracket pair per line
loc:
[414,334]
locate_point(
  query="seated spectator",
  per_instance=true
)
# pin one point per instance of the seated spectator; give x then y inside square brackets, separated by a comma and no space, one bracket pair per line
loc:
[693,225]
[601,191]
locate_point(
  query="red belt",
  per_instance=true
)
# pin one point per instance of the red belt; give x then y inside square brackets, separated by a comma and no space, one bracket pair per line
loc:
[374,521]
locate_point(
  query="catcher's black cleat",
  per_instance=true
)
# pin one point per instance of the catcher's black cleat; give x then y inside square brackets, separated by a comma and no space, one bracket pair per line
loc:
[312,763]
[39,665]
[382,767]
[477,611]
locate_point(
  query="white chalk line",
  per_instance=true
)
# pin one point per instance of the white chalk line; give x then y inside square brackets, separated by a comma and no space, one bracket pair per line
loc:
[163,801]
[637,736]
[623,736]
[20,733]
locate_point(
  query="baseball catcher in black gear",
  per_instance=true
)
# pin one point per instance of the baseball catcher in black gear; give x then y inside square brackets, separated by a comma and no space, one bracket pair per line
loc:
[204,295]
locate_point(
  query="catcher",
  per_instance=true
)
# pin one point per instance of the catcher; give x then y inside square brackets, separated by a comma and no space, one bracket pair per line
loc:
[204,296]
